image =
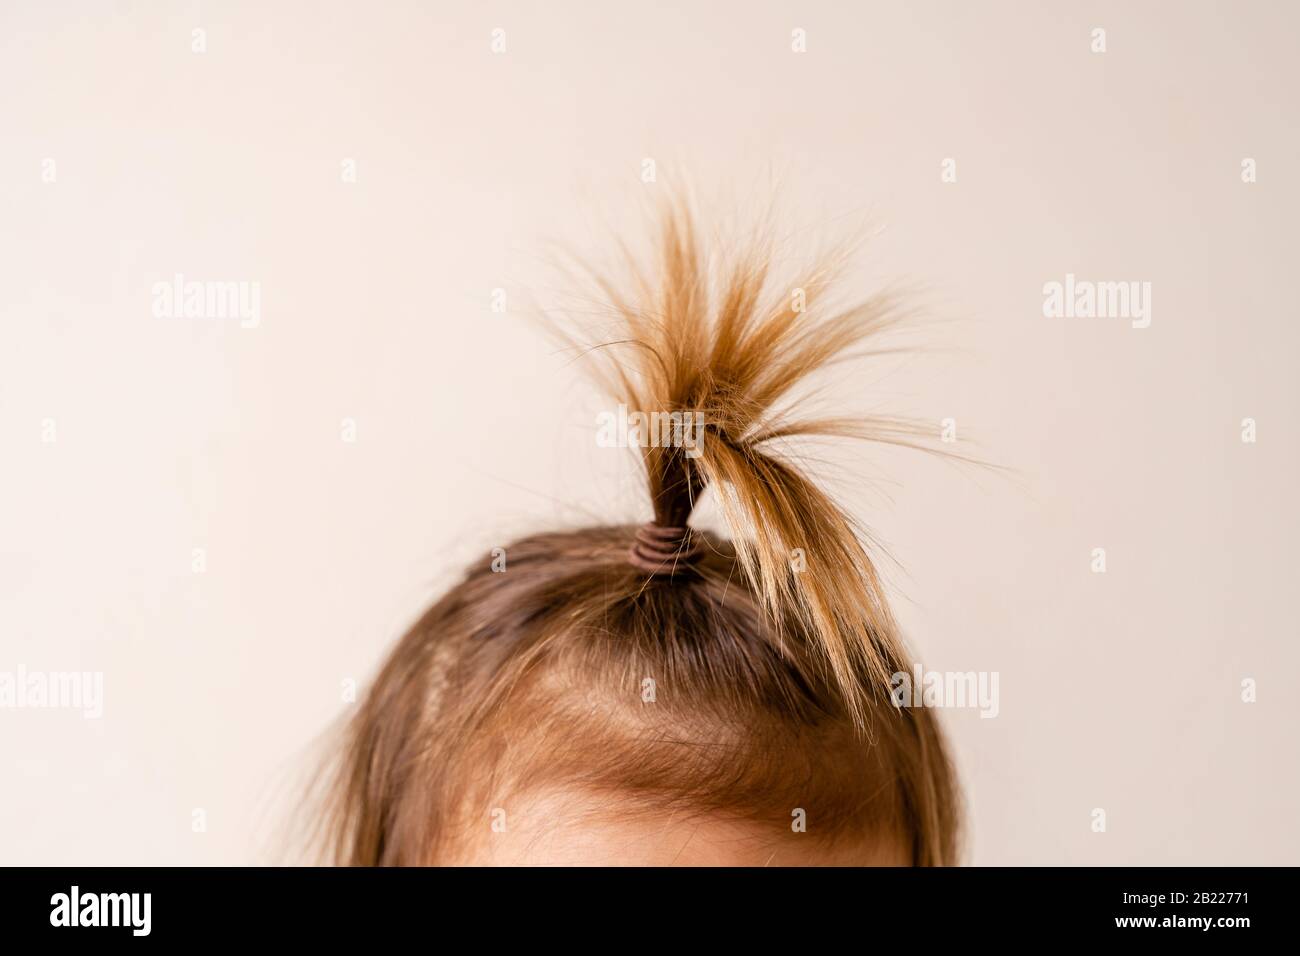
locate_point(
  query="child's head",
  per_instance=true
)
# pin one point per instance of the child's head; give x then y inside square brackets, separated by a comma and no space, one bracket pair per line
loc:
[656,694]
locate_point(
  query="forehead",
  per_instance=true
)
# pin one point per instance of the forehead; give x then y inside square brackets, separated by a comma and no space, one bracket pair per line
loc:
[566,828]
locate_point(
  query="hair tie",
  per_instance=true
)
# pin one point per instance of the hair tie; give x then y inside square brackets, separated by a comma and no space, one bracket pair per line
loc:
[660,550]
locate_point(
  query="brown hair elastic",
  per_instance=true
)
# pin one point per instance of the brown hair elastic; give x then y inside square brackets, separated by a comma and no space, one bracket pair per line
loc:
[664,550]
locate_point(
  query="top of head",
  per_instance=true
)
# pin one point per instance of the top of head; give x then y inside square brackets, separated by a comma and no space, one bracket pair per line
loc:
[711,358]
[742,686]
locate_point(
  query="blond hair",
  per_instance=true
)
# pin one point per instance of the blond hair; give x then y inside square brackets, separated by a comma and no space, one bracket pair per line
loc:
[772,684]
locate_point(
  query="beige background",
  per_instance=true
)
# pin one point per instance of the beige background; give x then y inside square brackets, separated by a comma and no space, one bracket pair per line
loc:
[1118,691]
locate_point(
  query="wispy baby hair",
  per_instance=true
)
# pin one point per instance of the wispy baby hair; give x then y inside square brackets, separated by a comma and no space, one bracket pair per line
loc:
[712,335]
[768,676]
